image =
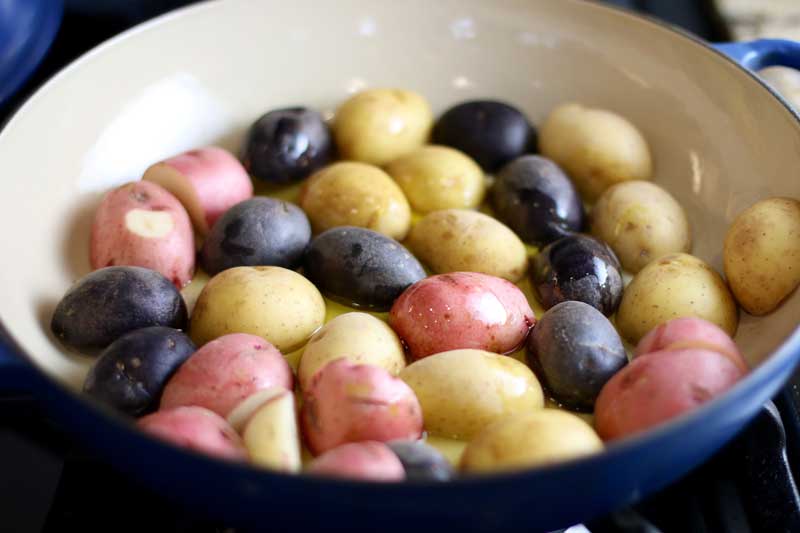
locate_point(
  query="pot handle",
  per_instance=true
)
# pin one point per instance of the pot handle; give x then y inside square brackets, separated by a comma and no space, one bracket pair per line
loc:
[16,373]
[762,53]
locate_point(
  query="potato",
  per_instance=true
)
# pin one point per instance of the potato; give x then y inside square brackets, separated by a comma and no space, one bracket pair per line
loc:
[351,403]
[459,240]
[536,438]
[277,304]
[369,461]
[379,125]
[674,286]
[641,222]
[271,434]
[461,310]
[195,428]
[207,181]
[355,194]
[438,177]
[762,254]
[360,338]
[597,148]
[690,332]
[658,386]
[141,224]
[240,415]
[225,371]
[463,391]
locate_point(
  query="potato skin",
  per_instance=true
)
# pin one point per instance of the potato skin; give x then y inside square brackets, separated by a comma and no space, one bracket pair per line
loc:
[113,243]
[463,391]
[225,371]
[360,338]
[676,285]
[107,303]
[596,147]
[271,435]
[690,332]
[456,240]
[641,222]
[368,461]
[461,310]
[535,438]
[421,461]
[379,125]
[438,177]
[131,373]
[348,193]
[196,428]
[277,304]
[658,386]
[762,254]
[351,403]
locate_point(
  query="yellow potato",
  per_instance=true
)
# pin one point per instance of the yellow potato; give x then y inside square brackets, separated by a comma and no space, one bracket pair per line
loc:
[762,254]
[355,194]
[463,391]
[673,286]
[438,177]
[641,222]
[379,125]
[358,337]
[271,436]
[277,304]
[459,240]
[597,148]
[530,439]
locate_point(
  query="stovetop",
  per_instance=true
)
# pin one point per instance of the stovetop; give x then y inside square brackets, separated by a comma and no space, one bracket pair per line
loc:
[51,485]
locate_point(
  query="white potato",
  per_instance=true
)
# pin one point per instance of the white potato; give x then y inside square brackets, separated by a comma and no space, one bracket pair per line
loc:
[271,436]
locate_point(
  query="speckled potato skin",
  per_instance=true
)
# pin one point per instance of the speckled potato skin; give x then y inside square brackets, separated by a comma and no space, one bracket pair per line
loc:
[461,310]
[463,391]
[367,461]
[674,286]
[597,148]
[762,254]
[524,440]
[355,194]
[113,244]
[277,304]
[658,386]
[360,338]
[195,428]
[690,332]
[460,240]
[438,177]
[641,222]
[379,125]
[352,403]
[225,371]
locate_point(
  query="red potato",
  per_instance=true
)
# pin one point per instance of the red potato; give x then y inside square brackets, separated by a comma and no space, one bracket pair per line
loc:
[196,428]
[461,310]
[371,461]
[351,403]
[142,224]
[690,332]
[208,181]
[225,371]
[658,386]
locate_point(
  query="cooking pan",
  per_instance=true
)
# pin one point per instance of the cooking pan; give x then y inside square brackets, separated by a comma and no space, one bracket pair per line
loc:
[720,137]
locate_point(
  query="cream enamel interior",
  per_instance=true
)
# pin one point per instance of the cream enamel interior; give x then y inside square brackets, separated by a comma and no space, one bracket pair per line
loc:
[720,140]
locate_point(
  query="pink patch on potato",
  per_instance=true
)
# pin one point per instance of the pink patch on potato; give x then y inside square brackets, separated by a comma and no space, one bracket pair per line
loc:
[225,371]
[196,428]
[690,332]
[658,386]
[371,461]
[142,224]
[208,181]
[461,310]
[351,403]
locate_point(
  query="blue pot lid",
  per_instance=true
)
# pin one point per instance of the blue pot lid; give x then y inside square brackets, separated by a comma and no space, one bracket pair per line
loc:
[27,29]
